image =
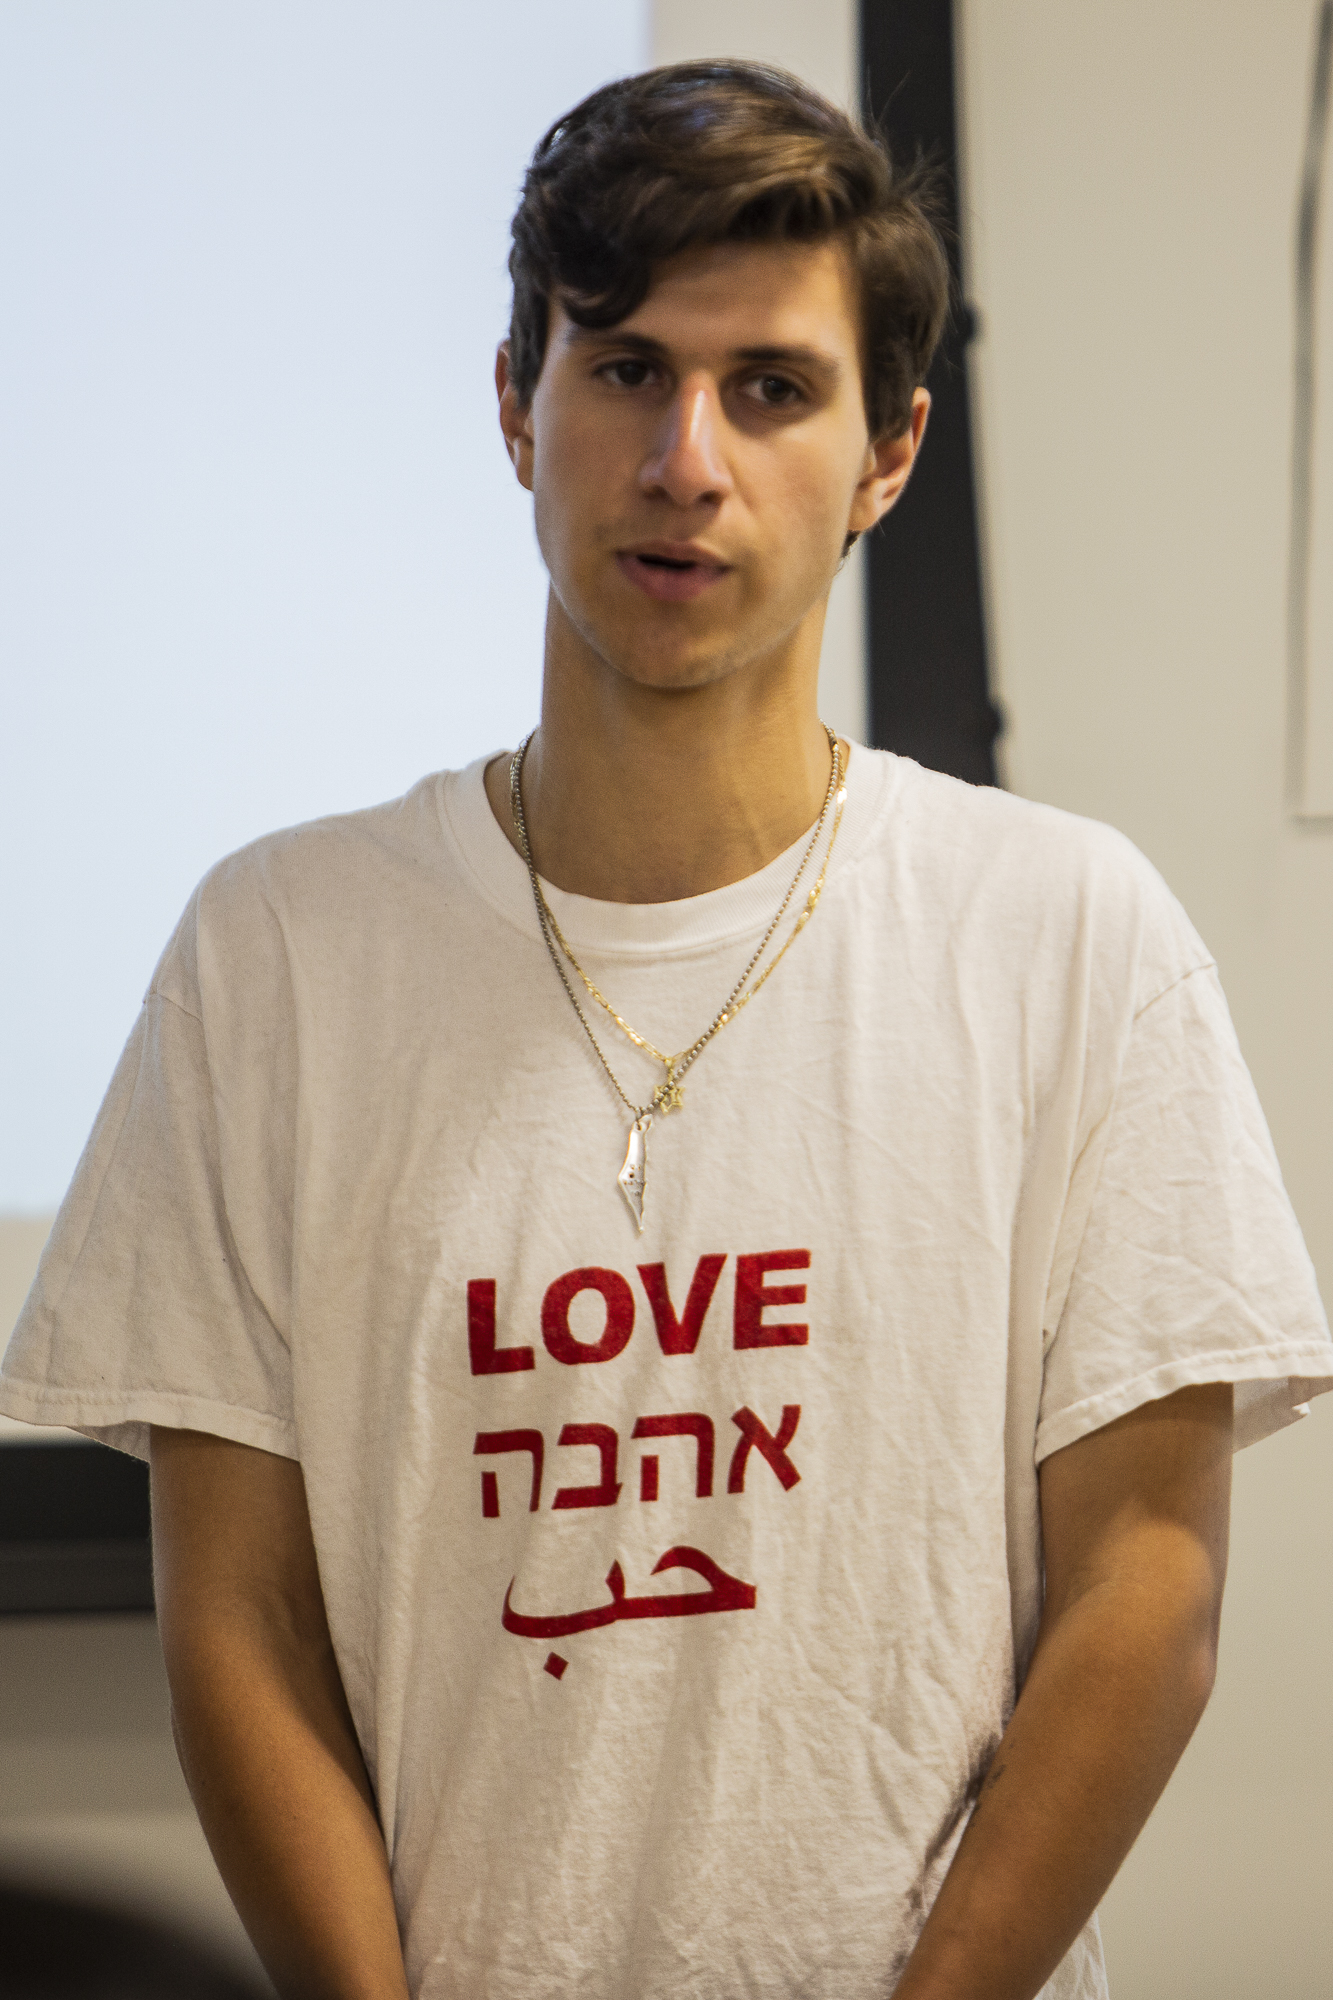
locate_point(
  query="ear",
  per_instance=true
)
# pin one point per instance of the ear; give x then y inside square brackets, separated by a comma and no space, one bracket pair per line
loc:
[888,464]
[515,419]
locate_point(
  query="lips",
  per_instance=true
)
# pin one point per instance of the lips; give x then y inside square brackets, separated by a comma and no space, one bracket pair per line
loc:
[670,576]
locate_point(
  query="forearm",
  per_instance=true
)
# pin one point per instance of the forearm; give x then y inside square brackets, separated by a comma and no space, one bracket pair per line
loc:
[276,1776]
[1116,1687]
[266,1740]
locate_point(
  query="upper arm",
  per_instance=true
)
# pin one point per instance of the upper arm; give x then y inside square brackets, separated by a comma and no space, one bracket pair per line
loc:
[1144,1504]
[231,1536]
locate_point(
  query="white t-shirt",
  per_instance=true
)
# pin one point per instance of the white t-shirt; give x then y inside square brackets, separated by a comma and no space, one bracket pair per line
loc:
[979,1170]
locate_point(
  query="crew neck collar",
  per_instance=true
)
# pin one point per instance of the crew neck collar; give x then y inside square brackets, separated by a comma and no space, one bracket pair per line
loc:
[694,923]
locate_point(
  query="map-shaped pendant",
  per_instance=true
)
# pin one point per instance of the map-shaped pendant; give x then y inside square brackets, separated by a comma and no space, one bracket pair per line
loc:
[633,1176]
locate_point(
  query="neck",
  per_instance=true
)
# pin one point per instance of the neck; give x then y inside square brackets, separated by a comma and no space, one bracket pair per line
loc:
[636,794]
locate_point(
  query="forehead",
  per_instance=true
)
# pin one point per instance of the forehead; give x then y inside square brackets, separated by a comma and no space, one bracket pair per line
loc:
[730,296]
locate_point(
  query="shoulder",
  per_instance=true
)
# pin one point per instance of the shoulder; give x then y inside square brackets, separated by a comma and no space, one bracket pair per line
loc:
[1033,885]
[304,893]
[313,861]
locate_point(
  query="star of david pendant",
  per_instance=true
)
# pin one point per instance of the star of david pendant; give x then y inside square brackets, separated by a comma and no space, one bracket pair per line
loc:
[669,1096]
[633,1176]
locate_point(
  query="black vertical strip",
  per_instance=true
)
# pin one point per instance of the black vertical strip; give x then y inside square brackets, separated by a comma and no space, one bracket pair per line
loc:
[929,690]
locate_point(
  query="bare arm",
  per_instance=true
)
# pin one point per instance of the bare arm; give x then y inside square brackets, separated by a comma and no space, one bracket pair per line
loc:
[1134,1529]
[261,1722]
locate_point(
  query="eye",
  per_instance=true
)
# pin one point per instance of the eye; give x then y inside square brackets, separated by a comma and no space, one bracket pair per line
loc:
[776,392]
[629,372]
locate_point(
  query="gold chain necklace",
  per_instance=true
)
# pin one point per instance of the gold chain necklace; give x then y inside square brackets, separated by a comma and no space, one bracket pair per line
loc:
[668,1096]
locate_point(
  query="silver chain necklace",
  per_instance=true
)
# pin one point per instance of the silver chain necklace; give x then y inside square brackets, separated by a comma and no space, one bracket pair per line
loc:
[668,1096]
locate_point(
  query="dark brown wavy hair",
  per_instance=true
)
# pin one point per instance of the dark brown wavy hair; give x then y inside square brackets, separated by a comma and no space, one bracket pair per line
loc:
[725,152]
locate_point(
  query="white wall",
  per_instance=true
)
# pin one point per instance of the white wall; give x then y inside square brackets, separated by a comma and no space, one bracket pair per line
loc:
[265,554]
[1131,180]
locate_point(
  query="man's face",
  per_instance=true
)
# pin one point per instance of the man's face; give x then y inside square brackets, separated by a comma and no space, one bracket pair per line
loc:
[696,468]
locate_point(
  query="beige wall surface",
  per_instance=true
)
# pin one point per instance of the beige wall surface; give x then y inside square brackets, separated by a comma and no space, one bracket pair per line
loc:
[1131,178]
[21,1240]
[819,42]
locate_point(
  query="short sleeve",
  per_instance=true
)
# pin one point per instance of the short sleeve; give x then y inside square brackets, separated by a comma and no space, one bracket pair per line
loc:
[1189,1266]
[142,1311]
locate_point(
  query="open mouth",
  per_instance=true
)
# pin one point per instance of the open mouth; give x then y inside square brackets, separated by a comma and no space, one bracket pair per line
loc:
[670,579]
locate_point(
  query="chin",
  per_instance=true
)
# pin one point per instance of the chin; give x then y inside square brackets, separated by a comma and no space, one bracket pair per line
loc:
[645,649]
[693,663]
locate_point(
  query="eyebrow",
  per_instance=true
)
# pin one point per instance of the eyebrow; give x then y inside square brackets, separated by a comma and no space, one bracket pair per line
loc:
[792,356]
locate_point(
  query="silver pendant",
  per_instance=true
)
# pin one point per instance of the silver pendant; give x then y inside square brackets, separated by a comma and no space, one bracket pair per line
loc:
[633,1176]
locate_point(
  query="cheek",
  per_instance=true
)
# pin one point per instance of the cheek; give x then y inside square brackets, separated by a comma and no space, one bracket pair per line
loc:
[574,475]
[806,508]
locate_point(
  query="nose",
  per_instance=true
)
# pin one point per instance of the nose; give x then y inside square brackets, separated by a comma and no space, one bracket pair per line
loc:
[688,463]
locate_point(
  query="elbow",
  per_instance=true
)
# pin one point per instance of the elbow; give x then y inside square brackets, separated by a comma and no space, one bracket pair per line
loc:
[1198,1658]
[1200,1676]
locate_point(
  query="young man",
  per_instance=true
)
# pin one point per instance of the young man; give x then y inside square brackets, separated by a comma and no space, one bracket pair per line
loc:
[656,1494]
